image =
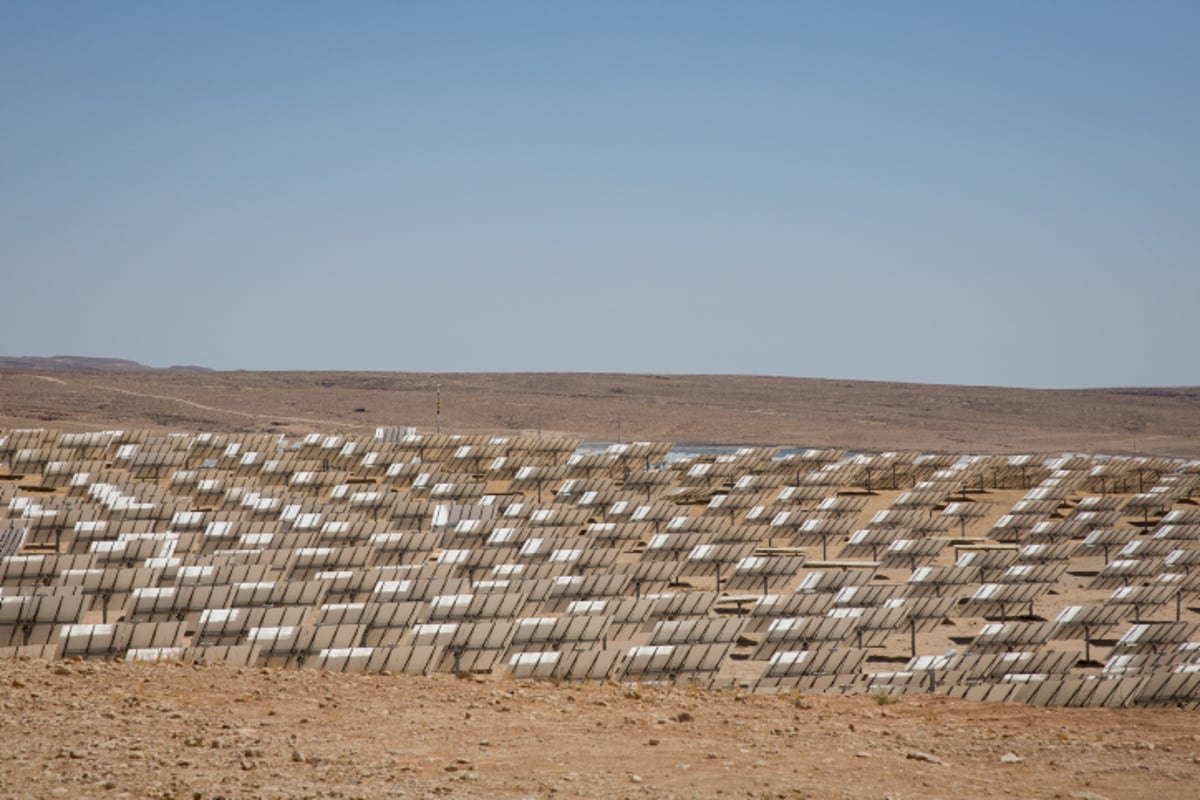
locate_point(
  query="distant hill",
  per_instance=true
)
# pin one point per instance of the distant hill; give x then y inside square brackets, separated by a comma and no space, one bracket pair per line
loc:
[78,363]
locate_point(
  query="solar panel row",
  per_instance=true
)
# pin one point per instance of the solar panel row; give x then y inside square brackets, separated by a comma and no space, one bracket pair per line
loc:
[541,559]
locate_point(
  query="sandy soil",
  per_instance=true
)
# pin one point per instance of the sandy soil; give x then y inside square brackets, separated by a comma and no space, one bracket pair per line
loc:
[93,729]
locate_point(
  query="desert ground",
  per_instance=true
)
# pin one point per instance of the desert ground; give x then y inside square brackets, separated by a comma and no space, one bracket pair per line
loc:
[106,729]
[855,415]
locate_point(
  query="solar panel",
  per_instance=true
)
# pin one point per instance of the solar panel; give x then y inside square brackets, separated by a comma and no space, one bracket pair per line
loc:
[1074,621]
[1155,636]
[110,639]
[593,664]
[697,631]
[989,561]
[997,599]
[1182,516]
[797,633]
[162,603]
[676,605]
[572,631]
[628,615]
[1176,689]
[671,663]
[834,579]
[1000,636]
[647,577]
[939,581]
[763,572]
[406,659]
[1122,572]
[996,665]
[867,596]
[1077,692]
[912,552]
[56,606]
[470,606]
[875,624]
[770,606]
[820,530]
[230,626]
[792,668]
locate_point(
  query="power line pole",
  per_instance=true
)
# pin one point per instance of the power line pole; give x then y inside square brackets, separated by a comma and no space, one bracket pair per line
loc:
[439,408]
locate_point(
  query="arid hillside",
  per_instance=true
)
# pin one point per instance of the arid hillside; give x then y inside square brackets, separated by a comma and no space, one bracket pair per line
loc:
[602,407]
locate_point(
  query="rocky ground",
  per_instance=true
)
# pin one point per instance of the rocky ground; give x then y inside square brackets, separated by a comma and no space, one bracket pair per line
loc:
[105,730]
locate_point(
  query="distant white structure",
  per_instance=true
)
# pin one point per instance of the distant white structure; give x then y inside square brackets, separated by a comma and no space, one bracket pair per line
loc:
[394,433]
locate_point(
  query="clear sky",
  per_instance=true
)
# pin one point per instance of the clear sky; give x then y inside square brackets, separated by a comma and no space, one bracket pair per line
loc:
[959,192]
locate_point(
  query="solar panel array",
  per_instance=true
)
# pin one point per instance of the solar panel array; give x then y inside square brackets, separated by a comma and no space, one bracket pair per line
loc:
[541,559]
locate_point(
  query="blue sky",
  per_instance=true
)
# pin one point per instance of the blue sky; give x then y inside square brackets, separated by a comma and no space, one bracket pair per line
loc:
[959,192]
